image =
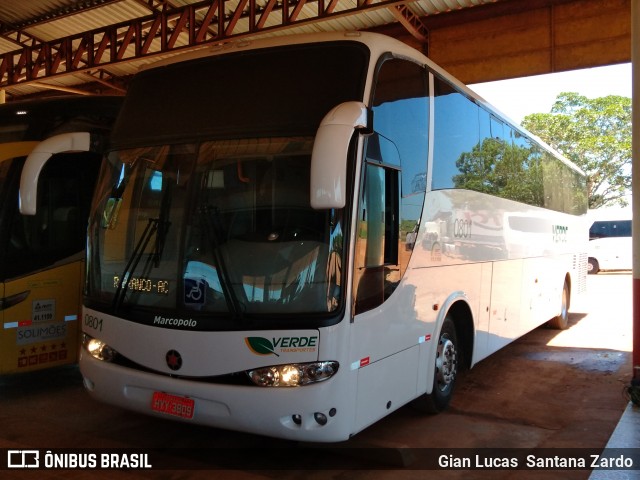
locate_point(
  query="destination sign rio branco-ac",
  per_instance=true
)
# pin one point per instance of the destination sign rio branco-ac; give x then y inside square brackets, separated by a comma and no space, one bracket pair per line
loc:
[143,285]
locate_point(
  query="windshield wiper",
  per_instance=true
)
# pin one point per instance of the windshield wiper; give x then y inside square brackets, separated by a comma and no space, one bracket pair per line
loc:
[157,227]
[212,223]
[163,224]
[132,264]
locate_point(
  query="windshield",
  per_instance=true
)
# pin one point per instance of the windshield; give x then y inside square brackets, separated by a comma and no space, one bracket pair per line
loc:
[221,227]
[202,216]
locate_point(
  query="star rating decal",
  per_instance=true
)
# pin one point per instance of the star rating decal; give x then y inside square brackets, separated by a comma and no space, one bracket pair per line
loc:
[37,355]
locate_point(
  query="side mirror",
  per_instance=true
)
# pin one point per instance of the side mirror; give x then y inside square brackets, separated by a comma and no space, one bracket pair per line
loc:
[329,155]
[65,142]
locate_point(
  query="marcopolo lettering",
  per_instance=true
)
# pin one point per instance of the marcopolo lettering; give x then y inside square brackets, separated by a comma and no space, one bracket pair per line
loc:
[175,322]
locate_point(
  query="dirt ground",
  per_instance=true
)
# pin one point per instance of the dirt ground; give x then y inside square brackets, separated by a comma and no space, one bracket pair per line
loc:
[549,389]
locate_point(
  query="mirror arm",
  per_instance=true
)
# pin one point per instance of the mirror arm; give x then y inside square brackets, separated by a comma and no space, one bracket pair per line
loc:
[40,155]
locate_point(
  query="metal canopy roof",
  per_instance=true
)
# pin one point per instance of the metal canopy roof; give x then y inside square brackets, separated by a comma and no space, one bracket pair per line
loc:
[89,46]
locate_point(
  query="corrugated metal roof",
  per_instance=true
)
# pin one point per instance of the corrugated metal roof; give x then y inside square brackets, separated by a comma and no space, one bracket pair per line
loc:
[20,11]
[82,21]
[23,22]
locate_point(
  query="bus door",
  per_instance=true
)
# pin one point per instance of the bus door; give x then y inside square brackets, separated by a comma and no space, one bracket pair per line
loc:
[386,331]
[44,264]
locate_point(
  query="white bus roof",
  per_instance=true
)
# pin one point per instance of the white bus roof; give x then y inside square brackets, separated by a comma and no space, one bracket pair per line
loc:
[377,44]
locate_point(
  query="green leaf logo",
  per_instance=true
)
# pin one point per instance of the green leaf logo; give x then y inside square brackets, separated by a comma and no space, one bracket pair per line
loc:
[260,346]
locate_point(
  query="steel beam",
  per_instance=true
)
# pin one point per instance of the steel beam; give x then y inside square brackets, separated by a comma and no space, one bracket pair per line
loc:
[172,29]
[411,22]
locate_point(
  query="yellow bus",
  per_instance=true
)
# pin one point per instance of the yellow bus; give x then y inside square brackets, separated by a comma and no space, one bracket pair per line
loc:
[42,253]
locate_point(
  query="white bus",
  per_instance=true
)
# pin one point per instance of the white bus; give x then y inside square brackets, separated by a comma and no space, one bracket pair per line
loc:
[296,236]
[610,246]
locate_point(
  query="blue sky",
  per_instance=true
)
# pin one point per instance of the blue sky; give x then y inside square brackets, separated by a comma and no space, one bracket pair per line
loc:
[520,97]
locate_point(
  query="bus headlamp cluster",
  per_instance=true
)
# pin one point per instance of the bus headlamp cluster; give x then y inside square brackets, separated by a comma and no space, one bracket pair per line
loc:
[293,375]
[290,375]
[98,349]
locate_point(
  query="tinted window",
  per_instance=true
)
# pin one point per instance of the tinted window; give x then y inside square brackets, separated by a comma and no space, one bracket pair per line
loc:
[58,230]
[610,228]
[457,137]
[394,181]
[401,115]
[268,92]
[476,150]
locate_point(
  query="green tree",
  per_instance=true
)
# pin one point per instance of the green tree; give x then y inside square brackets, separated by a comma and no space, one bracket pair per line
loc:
[595,134]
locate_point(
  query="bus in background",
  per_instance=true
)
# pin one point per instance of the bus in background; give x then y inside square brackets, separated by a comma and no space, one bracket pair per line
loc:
[299,260]
[610,244]
[42,253]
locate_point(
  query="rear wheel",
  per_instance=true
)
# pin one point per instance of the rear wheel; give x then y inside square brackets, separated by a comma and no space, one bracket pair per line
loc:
[561,322]
[593,266]
[446,371]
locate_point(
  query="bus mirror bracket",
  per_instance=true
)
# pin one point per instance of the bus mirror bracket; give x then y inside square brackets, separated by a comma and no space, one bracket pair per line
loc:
[329,155]
[36,160]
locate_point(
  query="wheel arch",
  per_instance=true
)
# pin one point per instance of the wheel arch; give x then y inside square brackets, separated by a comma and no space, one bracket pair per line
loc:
[457,311]
[460,313]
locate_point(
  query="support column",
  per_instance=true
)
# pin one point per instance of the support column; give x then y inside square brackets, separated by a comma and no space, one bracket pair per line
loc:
[635,185]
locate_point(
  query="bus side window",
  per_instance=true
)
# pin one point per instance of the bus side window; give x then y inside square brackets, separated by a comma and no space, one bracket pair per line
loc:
[394,182]
[377,246]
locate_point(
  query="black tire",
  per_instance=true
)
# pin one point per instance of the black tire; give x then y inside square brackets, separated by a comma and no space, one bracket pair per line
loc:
[447,363]
[561,322]
[593,266]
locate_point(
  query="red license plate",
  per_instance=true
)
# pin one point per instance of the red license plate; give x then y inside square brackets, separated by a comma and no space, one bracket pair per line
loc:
[175,405]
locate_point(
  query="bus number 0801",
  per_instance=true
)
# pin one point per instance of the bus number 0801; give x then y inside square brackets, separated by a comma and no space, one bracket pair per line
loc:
[93,322]
[462,228]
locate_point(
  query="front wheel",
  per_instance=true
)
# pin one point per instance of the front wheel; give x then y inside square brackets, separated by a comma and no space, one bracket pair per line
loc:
[446,371]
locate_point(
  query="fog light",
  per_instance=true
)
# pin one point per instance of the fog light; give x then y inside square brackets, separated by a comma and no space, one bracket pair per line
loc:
[320,417]
[297,419]
[88,384]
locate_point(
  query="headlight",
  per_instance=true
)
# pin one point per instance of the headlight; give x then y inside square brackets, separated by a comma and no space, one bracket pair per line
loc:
[98,349]
[293,375]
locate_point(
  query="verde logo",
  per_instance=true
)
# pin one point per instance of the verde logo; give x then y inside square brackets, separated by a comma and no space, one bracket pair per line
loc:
[559,233]
[277,345]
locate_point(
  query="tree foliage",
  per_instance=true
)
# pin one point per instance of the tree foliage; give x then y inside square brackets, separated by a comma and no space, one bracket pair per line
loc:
[595,134]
